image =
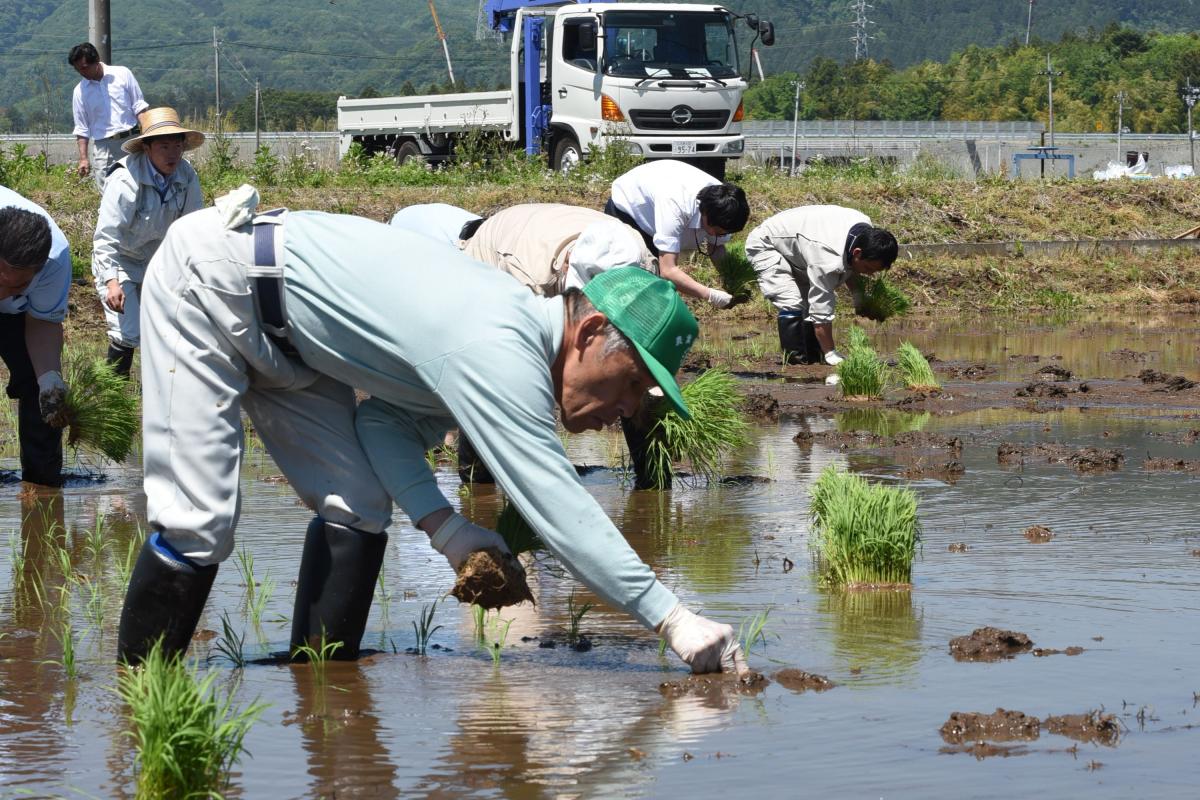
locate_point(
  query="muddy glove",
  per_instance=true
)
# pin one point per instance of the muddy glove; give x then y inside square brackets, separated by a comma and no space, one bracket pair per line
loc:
[52,398]
[458,537]
[833,358]
[706,645]
[719,298]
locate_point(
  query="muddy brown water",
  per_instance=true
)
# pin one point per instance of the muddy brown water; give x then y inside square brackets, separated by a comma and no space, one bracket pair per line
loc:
[1118,579]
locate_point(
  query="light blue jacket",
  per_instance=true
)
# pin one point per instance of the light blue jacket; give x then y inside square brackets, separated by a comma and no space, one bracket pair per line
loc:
[439,340]
[46,297]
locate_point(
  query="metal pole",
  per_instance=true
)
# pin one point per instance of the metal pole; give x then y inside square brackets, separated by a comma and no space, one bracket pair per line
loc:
[1120,122]
[99,29]
[217,74]
[1050,94]
[1190,95]
[1029,23]
[795,124]
[257,139]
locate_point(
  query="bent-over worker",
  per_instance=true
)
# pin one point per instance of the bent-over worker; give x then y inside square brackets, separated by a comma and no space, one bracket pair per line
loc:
[801,256]
[438,340]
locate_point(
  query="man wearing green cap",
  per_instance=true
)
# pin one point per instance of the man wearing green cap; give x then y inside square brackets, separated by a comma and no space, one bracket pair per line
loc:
[280,315]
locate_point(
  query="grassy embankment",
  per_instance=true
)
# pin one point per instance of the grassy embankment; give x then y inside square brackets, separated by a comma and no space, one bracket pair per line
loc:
[920,205]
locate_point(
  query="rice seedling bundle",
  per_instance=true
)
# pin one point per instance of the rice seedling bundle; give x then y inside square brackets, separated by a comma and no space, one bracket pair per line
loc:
[516,532]
[735,270]
[862,533]
[915,368]
[716,428]
[187,738]
[101,408]
[881,300]
[862,373]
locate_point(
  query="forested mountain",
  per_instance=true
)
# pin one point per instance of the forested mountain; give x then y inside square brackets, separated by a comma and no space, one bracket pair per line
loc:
[355,47]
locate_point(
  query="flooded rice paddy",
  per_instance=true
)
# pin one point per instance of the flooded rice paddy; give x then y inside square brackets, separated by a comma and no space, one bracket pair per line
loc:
[1114,586]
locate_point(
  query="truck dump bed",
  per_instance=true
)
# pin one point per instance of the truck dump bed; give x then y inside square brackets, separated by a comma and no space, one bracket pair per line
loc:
[428,114]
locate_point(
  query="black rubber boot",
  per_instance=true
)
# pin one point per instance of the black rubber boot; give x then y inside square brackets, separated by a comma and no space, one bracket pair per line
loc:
[471,468]
[337,581]
[41,443]
[799,340]
[120,357]
[165,598]
[637,430]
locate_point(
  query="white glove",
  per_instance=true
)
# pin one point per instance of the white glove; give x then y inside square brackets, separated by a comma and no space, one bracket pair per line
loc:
[457,538]
[832,380]
[237,207]
[52,398]
[833,358]
[719,298]
[706,645]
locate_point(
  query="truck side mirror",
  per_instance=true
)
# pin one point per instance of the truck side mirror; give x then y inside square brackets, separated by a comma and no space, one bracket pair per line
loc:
[766,32]
[587,38]
[751,21]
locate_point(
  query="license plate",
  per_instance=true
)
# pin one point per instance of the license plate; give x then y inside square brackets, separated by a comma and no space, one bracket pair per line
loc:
[683,148]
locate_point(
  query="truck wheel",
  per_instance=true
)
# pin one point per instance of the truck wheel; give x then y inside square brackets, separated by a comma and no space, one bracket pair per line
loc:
[567,153]
[409,151]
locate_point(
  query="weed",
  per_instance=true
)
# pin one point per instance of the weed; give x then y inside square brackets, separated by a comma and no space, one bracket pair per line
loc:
[881,300]
[716,427]
[231,644]
[576,612]
[864,534]
[101,408]
[424,628]
[915,368]
[265,169]
[187,739]
[753,630]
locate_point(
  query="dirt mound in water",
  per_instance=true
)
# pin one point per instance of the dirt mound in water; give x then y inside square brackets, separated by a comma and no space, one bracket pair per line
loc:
[1002,726]
[1170,465]
[1038,534]
[1053,372]
[716,685]
[1125,354]
[865,440]
[1170,383]
[945,471]
[800,681]
[1092,727]
[972,372]
[1042,652]
[1041,389]
[1086,459]
[491,579]
[761,406]
[989,644]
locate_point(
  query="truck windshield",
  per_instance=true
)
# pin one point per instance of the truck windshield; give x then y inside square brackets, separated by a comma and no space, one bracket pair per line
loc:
[669,44]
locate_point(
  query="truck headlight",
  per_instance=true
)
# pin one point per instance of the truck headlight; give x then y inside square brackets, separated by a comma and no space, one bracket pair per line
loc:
[736,146]
[632,148]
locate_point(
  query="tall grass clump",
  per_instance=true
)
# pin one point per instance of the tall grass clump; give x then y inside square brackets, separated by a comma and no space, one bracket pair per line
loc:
[101,409]
[915,368]
[881,300]
[735,270]
[861,373]
[187,738]
[863,534]
[716,428]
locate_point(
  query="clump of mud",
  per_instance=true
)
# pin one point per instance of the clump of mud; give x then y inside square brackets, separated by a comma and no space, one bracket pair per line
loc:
[1002,726]
[761,406]
[1053,372]
[851,440]
[1042,652]
[1170,465]
[1170,383]
[1125,354]
[800,681]
[1086,459]
[1092,727]
[957,547]
[972,371]
[1041,389]
[492,579]
[715,685]
[989,644]
[945,471]
[1038,534]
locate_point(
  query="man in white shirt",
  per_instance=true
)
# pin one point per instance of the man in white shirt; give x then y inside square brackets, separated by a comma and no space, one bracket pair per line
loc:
[105,105]
[679,208]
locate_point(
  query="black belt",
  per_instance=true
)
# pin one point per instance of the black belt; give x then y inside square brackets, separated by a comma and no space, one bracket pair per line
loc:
[268,290]
[125,134]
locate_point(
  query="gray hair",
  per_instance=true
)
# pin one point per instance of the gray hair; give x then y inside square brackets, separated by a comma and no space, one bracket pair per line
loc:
[579,306]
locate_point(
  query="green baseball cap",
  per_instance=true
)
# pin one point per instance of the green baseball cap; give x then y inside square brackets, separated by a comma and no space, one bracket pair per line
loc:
[653,316]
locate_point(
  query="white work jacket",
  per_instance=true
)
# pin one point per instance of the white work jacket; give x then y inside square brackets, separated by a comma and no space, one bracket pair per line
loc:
[661,197]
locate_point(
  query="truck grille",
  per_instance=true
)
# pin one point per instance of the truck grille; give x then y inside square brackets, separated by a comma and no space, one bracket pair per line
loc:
[680,118]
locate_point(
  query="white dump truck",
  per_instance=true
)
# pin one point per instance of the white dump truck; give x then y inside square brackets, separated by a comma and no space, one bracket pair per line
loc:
[660,79]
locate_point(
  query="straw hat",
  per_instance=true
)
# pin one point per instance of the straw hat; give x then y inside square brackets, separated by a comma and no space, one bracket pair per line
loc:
[162,121]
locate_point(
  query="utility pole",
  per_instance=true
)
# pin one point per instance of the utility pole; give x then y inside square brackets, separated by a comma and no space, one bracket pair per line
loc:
[442,35]
[217,74]
[257,138]
[1190,95]
[99,29]
[860,28]
[1120,122]
[1029,23]
[795,124]
[1050,76]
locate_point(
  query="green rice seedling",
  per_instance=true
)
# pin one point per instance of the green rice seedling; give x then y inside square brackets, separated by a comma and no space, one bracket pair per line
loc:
[245,563]
[516,532]
[258,602]
[500,631]
[96,542]
[424,628]
[186,737]
[881,300]
[94,603]
[753,630]
[479,618]
[384,595]
[716,428]
[576,612]
[101,408]
[861,373]
[231,644]
[662,648]
[124,565]
[857,337]
[65,634]
[863,534]
[915,368]
[317,657]
[735,270]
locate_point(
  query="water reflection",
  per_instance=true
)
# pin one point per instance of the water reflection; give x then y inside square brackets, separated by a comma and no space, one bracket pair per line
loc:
[877,632]
[881,422]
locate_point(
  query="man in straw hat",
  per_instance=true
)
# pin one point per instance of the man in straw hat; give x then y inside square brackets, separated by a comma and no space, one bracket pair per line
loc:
[279,315]
[35,275]
[146,191]
[105,105]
